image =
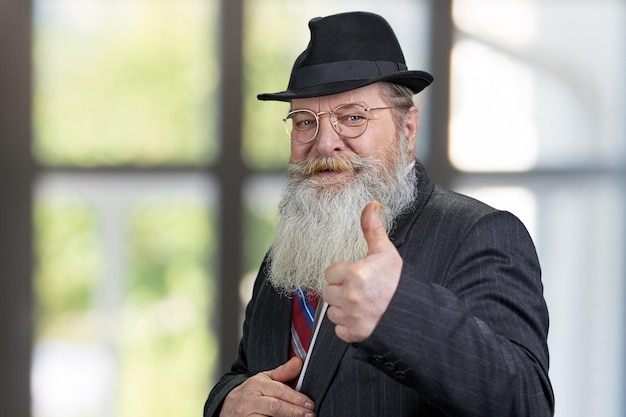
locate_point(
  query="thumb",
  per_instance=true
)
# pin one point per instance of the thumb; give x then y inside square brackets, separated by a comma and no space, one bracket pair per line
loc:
[373,228]
[286,372]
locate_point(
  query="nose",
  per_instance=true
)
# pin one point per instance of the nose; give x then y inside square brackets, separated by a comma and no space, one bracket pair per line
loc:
[328,141]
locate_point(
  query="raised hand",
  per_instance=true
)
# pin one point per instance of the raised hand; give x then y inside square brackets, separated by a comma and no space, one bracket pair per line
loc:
[267,394]
[358,293]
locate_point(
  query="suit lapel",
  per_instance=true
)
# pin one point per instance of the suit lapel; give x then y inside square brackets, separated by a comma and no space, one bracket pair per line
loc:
[325,359]
[281,330]
[270,330]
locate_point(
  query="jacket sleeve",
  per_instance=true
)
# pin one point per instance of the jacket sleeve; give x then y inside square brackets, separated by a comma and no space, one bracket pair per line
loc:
[227,382]
[468,329]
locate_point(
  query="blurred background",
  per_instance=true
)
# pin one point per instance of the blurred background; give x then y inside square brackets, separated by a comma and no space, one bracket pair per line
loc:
[139,179]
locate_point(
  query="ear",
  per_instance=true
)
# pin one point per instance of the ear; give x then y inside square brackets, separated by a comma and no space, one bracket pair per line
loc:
[411,127]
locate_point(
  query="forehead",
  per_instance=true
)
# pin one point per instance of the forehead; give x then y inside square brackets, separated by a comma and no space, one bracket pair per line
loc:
[370,95]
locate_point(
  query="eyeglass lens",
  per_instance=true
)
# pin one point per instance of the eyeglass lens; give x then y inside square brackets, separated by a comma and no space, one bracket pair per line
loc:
[349,120]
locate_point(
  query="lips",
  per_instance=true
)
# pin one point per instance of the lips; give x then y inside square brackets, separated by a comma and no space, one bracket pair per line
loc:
[327,170]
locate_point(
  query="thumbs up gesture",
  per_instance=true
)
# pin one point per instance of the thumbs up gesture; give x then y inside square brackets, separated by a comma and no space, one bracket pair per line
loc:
[358,293]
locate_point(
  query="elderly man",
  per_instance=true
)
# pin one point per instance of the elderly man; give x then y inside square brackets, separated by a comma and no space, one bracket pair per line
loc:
[383,294]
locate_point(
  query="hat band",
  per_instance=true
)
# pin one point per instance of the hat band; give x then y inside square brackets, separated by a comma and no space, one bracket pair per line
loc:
[332,72]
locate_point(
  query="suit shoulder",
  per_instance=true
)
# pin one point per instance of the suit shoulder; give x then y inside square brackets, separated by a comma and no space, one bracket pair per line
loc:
[444,201]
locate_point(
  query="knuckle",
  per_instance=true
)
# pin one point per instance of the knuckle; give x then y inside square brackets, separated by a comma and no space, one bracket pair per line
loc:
[358,273]
[275,406]
[352,297]
[279,390]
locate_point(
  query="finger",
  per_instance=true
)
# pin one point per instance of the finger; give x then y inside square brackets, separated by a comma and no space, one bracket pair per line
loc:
[277,408]
[263,396]
[373,229]
[333,293]
[343,333]
[336,273]
[278,389]
[286,372]
[288,404]
[280,399]
[336,314]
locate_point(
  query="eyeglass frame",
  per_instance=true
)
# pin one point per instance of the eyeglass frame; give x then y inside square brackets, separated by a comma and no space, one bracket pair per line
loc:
[333,124]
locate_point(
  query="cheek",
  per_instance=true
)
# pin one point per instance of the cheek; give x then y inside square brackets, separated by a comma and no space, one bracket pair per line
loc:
[299,152]
[379,145]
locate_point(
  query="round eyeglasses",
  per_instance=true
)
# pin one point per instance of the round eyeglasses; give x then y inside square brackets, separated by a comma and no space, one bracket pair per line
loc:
[349,120]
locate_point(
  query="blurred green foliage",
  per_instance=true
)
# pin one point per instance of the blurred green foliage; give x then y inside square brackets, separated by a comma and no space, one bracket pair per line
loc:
[131,83]
[267,64]
[134,83]
[259,231]
[165,354]
[69,260]
[168,300]
[169,241]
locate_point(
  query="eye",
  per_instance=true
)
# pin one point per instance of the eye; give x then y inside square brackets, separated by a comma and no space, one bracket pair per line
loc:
[354,118]
[304,123]
[303,120]
[351,117]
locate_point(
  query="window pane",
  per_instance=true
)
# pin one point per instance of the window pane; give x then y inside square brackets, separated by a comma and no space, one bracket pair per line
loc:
[276,32]
[261,196]
[124,291]
[538,85]
[124,82]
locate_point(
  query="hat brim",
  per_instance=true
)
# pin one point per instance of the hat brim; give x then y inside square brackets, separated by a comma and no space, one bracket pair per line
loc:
[415,80]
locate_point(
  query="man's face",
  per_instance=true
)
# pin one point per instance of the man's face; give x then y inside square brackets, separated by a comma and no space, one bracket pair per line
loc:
[330,181]
[380,139]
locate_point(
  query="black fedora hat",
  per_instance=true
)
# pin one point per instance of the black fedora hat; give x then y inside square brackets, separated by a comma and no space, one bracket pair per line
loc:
[348,51]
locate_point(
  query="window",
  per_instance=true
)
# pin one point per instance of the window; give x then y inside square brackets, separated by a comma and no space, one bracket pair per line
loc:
[536,128]
[125,207]
[129,185]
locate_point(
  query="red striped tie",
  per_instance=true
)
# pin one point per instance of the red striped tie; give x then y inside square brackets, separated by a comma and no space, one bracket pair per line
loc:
[302,316]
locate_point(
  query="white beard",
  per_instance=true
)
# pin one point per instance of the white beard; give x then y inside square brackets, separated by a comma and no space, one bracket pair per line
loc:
[319,221]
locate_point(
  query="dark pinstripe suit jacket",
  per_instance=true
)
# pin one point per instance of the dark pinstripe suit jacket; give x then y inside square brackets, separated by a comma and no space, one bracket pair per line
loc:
[464,335]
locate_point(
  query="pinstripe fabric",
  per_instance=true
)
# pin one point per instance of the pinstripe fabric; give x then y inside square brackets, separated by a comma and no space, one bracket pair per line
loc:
[464,335]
